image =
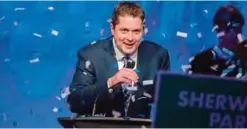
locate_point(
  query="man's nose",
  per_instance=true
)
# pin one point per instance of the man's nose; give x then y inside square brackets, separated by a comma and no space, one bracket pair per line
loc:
[130,36]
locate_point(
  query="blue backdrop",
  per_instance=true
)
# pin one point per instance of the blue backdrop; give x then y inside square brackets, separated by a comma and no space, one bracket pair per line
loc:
[39,42]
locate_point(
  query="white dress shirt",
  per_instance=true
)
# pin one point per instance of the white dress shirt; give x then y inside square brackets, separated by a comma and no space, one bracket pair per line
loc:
[119,56]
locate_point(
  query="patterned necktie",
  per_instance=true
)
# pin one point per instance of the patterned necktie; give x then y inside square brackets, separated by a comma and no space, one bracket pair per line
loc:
[128,63]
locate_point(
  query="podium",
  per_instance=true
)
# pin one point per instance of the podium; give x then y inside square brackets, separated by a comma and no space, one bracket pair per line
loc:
[103,122]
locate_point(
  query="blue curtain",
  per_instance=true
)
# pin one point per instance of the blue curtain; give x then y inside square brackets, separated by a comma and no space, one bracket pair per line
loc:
[39,42]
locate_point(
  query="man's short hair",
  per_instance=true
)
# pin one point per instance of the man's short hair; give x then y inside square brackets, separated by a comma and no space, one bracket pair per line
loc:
[127,9]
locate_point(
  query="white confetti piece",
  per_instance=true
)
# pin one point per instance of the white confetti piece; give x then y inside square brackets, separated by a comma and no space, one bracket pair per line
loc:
[214,67]
[51,8]
[191,59]
[182,34]
[245,45]
[215,27]
[87,24]
[228,23]
[2,18]
[34,60]
[133,98]
[220,34]
[164,35]
[58,98]
[240,38]
[37,35]
[93,42]
[6,60]
[192,25]
[116,113]
[231,66]
[55,109]
[15,23]
[147,95]
[199,35]
[20,9]
[109,20]
[54,32]
[238,75]
[205,10]
[190,72]
[85,73]
[185,67]
[101,32]
[146,30]
[87,64]
[65,92]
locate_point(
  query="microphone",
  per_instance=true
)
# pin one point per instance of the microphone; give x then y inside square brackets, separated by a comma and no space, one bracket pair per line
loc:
[131,64]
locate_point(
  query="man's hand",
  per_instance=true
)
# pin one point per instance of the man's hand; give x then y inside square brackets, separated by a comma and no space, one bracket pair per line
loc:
[125,75]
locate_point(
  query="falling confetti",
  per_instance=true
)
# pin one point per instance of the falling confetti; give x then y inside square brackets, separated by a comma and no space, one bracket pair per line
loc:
[55,109]
[214,67]
[133,98]
[6,60]
[54,32]
[205,10]
[192,25]
[65,92]
[93,42]
[214,28]
[147,95]
[164,35]
[87,64]
[116,113]
[101,32]
[15,23]
[146,30]
[220,34]
[199,35]
[58,98]
[2,18]
[109,20]
[37,35]
[51,8]
[182,34]
[20,9]
[85,73]
[191,59]
[186,67]
[87,24]
[36,60]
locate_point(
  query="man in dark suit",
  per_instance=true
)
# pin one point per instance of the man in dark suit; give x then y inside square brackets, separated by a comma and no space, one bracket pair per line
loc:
[228,58]
[115,76]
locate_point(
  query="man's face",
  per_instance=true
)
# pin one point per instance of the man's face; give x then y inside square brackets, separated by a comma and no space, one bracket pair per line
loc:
[127,33]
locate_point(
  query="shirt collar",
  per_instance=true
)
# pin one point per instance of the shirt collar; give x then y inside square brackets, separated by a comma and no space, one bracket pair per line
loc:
[120,55]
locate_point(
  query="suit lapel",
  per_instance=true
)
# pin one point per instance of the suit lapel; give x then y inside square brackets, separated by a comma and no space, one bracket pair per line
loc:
[110,59]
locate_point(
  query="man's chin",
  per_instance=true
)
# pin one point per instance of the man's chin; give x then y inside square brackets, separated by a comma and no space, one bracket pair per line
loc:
[129,52]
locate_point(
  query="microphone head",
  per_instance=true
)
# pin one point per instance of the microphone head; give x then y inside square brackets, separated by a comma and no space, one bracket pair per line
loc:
[130,64]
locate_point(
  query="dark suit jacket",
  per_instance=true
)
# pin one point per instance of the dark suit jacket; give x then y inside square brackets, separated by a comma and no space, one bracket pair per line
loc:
[203,62]
[97,63]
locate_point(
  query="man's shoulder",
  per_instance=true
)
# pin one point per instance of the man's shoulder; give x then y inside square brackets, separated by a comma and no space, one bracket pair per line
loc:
[152,46]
